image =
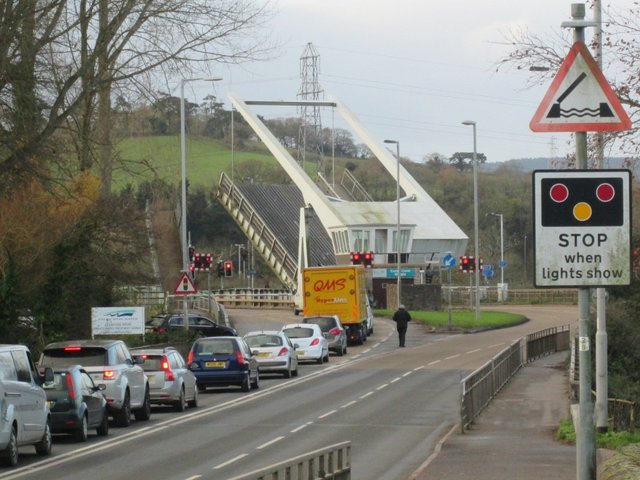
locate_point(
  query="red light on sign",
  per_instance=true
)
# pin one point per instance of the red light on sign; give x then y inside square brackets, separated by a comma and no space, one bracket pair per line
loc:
[559,193]
[605,192]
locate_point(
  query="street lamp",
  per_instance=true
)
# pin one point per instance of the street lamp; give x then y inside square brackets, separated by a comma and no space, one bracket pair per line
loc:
[501,245]
[183,165]
[475,217]
[398,217]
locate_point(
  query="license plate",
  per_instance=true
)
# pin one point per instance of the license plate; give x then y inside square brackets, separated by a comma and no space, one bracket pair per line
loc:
[50,403]
[300,352]
[151,377]
[215,364]
[264,354]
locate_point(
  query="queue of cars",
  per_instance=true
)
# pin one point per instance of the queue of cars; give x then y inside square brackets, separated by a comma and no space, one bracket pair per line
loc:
[79,384]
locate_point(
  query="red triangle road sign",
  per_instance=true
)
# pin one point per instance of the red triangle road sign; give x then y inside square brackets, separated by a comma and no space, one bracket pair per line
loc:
[185,286]
[580,99]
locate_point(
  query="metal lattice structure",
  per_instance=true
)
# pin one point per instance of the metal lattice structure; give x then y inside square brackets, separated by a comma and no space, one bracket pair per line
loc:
[309,134]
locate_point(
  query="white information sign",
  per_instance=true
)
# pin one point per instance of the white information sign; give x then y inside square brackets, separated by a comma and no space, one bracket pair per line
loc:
[582,232]
[117,321]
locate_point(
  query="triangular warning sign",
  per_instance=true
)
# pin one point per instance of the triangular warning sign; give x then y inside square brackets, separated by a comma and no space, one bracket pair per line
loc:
[185,286]
[580,99]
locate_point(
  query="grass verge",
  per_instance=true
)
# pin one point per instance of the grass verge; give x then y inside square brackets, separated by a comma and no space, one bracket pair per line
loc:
[611,440]
[461,319]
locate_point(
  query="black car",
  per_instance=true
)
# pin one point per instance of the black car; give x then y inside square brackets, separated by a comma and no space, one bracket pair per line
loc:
[76,403]
[197,323]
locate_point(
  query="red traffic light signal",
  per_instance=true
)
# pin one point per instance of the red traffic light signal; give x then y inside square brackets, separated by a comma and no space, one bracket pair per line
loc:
[465,263]
[356,258]
[368,259]
[228,269]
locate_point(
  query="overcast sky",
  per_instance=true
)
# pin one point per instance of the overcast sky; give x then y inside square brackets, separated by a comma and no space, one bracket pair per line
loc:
[413,70]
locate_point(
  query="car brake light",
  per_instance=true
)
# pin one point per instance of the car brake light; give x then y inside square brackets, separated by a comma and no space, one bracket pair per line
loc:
[315,341]
[283,351]
[240,358]
[109,374]
[72,349]
[168,374]
[190,358]
[72,391]
[335,331]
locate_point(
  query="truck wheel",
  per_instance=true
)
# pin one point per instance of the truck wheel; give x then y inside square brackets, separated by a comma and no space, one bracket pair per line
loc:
[10,454]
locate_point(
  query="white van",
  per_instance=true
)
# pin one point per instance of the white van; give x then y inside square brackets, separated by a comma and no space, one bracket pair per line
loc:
[24,414]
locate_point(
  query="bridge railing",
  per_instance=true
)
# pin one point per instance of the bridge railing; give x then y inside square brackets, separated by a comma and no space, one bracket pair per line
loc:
[482,385]
[255,298]
[328,463]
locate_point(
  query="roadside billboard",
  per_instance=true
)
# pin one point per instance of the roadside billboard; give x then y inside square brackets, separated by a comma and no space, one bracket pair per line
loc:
[117,321]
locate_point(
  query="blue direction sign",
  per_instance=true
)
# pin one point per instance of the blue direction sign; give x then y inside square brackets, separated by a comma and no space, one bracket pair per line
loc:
[502,264]
[448,261]
[487,271]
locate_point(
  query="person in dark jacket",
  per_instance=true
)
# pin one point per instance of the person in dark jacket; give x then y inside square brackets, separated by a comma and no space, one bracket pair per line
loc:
[402,318]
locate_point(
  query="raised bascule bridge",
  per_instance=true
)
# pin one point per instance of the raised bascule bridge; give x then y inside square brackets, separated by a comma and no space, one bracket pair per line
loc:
[313,223]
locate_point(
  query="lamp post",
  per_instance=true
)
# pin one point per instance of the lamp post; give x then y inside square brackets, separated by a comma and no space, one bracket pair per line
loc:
[475,217]
[501,245]
[183,165]
[183,168]
[399,279]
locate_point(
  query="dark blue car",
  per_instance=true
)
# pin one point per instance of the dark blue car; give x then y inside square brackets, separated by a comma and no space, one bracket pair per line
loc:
[223,361]
[76,403]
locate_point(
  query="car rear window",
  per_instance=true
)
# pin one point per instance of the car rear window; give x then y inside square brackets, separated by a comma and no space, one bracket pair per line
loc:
[62,357]
[59,383]
[152,363]
[264,340]
[299,332]
[325,323]
[214,346]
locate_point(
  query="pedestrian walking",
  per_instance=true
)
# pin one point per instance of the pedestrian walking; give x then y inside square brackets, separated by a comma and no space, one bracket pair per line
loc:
[402,318]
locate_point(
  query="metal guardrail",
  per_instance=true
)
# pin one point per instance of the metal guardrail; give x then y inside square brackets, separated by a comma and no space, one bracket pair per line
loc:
[329,463]
[255,298]
[482,385]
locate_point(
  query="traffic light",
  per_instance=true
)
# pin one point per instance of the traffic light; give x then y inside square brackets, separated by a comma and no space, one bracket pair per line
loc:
[356,258]
[368,259]
[192,271]
[202,262]
[192,252]
[220,269]
[465,264]
[228,269]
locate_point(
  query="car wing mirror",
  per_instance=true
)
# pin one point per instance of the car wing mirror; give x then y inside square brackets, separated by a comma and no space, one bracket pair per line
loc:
[138,360]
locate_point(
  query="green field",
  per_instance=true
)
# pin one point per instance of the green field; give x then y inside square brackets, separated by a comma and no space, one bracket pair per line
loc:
[145,158]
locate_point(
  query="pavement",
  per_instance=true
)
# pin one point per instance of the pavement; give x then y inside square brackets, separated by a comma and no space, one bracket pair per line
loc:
[513,438]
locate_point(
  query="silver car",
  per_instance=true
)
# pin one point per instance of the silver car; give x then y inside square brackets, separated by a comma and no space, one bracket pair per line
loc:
[274,352]
[332,330]
[170,381]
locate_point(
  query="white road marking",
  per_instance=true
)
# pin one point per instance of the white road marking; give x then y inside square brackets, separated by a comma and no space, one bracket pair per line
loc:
[452,356]
[304,425]
[384,385]
[396,379]
[327,414]
[474,351]
[229,462]
[496,345]
[194,477]
[406,374]
[366,395]
[348,404]
[418,368]
[265,445]
[434,362]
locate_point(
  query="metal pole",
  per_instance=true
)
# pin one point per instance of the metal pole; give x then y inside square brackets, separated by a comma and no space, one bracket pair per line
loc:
[398,300]
[585,433]
[183,212]
[602,374]
[502,250]
[475,219]
[398,250]
[183,188]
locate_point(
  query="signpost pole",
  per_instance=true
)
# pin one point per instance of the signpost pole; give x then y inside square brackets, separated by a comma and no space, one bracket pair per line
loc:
[585,434]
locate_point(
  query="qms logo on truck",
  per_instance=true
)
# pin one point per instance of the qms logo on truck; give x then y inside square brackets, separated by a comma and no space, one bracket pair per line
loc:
[333,285]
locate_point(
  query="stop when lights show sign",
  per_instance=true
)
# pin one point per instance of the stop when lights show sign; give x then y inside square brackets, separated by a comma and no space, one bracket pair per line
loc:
[582,233]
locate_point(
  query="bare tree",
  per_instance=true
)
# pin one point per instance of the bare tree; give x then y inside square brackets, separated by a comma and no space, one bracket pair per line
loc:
[76,53]
[542,56]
